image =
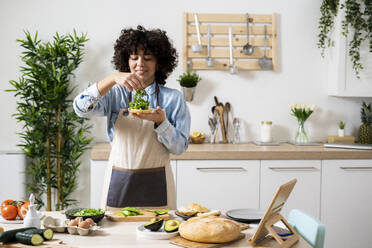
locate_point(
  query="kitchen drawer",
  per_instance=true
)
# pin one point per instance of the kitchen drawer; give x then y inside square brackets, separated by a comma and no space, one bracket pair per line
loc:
[306,193]
[218,184]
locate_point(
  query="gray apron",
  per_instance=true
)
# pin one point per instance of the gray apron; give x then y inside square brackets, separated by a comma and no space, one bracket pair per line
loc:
[138,172]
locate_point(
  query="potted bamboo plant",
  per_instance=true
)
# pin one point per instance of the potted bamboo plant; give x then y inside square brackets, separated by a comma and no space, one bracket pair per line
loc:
[188,81]
[53,136]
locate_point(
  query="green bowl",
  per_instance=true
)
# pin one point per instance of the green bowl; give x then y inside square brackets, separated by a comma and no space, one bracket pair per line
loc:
[96,218]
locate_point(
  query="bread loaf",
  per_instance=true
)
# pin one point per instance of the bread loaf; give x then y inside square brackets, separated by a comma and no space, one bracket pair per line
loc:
[211,229]
[197,208]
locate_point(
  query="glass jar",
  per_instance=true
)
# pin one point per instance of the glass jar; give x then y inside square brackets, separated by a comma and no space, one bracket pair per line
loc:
[266,131]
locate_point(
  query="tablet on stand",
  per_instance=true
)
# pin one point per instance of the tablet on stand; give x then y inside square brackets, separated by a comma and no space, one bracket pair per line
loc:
[272,216]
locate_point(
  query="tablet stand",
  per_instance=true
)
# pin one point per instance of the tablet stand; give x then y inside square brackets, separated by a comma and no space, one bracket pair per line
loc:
[272,216]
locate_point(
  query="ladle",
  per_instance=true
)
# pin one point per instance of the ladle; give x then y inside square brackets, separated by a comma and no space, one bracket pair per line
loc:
[233,68]
[248,49]
[210,60]
[197,48]
[265,63]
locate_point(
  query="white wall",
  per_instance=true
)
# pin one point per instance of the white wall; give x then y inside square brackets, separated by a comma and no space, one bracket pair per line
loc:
[254,96]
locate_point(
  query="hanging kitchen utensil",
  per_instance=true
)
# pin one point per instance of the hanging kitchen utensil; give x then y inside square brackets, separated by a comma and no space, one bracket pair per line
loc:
[233,68]
[210,61]
[265,62]
[248,49]
[197,48]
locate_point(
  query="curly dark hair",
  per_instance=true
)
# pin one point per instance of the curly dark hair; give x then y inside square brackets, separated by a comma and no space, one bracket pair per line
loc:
[154,42]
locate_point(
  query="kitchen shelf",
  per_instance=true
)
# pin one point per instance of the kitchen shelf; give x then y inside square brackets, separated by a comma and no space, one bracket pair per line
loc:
[219,29]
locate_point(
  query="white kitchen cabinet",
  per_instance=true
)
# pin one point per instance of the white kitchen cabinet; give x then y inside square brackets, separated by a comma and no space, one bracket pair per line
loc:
[218,184]
[97,173]
[347,202]
[306,193]
[12,176]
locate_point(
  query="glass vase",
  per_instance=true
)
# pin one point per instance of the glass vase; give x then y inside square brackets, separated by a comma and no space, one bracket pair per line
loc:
[301,135]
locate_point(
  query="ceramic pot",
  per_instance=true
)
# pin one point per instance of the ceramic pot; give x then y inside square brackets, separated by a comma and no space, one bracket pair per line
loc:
[188,93]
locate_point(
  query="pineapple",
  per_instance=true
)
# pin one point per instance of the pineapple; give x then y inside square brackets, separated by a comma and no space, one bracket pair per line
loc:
[365,130]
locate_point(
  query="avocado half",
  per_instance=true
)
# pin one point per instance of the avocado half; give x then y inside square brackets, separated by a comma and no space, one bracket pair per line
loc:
[154,225]
[171,225]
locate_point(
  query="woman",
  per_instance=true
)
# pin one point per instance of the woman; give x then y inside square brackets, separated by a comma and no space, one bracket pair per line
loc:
[139,171]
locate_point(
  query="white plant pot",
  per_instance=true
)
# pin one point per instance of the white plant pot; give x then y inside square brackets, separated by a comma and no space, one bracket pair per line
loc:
[188,93]
[341,132]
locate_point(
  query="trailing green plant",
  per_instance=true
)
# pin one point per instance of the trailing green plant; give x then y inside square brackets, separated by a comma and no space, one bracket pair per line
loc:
[328,11]
[189,79]
[357,24]
[341,125]
[53,136]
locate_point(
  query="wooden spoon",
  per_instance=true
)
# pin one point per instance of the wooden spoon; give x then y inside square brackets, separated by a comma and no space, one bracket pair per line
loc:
[219,108]
[227,109]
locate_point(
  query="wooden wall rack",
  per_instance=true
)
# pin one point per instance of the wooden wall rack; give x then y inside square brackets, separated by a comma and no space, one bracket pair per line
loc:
[219,27]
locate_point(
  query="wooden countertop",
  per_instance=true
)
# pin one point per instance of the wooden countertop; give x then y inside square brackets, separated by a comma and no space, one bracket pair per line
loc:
[123,234]
[249,151]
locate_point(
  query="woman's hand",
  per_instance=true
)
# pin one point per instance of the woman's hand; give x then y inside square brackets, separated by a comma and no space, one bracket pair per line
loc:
[126,79]
[158,116]
[129,80]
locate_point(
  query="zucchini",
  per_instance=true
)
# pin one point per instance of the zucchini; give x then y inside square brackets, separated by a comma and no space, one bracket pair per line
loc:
[9,236]
[47,234]
[29,238]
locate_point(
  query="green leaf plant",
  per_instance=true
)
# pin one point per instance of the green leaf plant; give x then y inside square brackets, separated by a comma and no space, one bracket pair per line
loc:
[357,24]
[53,136]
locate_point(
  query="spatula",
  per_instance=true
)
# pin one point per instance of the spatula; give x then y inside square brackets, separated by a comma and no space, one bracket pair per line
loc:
[265,62]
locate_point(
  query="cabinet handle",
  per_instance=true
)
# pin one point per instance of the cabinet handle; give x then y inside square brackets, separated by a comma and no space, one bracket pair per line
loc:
[308,168]
[355,168]
[221,169]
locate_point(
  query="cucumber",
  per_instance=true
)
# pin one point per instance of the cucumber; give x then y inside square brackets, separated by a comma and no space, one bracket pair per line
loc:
[45,233]
[29,238]
[9,236]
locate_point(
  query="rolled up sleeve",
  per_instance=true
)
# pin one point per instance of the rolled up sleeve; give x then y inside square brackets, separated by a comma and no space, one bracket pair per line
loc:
[89,102]
[173,133]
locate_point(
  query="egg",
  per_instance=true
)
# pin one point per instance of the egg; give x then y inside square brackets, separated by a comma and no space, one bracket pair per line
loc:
[90,221]
[84,224]
[73,223]
[79,219]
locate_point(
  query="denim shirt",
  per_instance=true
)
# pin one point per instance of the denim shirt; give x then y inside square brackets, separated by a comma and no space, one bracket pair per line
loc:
[173,132]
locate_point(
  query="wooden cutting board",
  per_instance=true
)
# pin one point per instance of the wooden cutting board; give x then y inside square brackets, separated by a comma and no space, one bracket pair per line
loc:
[146,216]
[54,243]
[179,241]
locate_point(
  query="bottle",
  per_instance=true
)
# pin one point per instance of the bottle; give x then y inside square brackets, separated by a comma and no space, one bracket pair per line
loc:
[266,131]
[32,219]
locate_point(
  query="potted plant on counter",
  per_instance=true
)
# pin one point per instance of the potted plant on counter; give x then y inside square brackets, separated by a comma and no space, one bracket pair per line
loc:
[365,130]
[53,136]
[341,129]
[188,82]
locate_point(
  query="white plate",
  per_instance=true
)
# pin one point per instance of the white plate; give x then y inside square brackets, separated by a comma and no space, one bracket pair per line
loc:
[246,215]
[160,234]
[18,220]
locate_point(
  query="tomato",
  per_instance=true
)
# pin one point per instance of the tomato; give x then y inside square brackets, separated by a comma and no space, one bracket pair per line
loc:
[6,203]
[22,209]
[9,212]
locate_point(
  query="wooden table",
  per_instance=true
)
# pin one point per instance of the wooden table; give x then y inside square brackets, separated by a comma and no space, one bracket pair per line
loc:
[123,234]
